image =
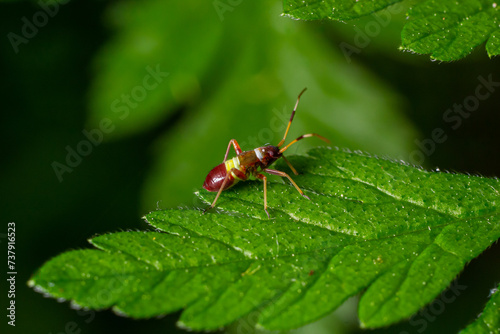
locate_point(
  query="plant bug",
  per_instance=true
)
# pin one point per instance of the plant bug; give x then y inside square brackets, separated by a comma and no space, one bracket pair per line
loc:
[252,163]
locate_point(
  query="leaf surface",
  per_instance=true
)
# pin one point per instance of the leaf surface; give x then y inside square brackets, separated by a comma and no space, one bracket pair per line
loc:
[450,30]
[398,232]
[333,9]
[446,29]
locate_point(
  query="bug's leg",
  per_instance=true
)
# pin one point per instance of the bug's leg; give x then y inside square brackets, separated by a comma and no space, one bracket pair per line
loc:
[290,165]
[229,176]
[283,174]
[291,117]
[307,135]
[236,148]
[264,178]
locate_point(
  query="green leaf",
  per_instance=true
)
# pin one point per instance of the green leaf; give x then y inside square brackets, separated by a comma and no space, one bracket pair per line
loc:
[446,29]
[398,232]
[489,320]
[450,30]
[333,9]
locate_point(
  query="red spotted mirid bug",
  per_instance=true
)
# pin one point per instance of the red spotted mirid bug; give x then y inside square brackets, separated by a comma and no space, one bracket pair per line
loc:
[252,163]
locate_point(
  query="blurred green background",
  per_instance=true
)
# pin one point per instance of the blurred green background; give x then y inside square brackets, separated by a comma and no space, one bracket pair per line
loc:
[173,82]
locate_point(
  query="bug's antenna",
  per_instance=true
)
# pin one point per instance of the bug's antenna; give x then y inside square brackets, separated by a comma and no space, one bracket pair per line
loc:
[302,137]
[291,117]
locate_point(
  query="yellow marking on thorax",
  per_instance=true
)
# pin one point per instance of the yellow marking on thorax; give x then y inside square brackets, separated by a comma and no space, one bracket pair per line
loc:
[233,163]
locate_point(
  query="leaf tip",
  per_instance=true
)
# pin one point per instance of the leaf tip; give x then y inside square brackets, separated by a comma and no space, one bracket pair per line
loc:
[40,289]
[182,325]
[31,283]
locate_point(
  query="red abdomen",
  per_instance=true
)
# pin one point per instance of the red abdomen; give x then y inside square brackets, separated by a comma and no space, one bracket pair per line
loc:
[216,177]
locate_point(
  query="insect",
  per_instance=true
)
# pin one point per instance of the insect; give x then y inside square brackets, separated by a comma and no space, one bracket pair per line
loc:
[252,163]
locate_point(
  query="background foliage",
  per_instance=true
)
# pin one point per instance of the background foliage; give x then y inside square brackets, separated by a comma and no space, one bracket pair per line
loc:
[227,73]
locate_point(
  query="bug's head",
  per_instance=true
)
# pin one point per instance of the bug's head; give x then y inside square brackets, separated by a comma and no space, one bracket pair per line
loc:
[269,154]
